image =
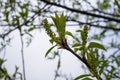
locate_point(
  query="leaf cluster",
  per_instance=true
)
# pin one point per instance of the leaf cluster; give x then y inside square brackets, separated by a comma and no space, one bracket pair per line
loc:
[88,52]
[5,75]
[60,25]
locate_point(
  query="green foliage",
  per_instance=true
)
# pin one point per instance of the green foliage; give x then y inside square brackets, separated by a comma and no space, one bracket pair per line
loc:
[96,45]
[104,5]
[89,57]
[89,53]
[49,50]
[31,29]
[60,24]
[84,35]
[102,17]
[82,76]
[5,75]
[118,4]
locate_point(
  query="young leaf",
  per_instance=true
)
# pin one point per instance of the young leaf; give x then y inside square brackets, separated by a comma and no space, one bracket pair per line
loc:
[76,45]
[69,33]
[1,61]
[50,50]
[31,29]
[96,45]
[82,34]
[76,49]
[60,24]
[79,31]
[87,78]
[82,76]
[118,5]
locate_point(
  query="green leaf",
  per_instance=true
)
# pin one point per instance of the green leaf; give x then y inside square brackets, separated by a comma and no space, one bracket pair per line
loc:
[2,61]
[112,25]
[31,29]
[79,31]
[6,14]
[69,33]
[103,65]
[60,24]
[12,1]
[96,45]
[50,50]
[118,5]
[76,49]
[82,76]
[87,78]
[104,5]
[51,41]
[76,45]
[103,32]
[82,34]
[54,20]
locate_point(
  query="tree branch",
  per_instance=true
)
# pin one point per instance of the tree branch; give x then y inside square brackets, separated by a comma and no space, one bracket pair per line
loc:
[82,12]
[83,59]
[97,10]
[95,25]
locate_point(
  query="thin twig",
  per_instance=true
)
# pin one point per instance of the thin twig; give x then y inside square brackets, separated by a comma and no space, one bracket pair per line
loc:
[95,25]
[58,67]
[82,12]
[97,10]
[22,54]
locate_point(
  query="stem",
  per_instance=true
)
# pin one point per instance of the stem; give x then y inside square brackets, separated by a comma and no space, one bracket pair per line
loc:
[22,54]
[83,59]
[95,73]
[99,78]
[65,45]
